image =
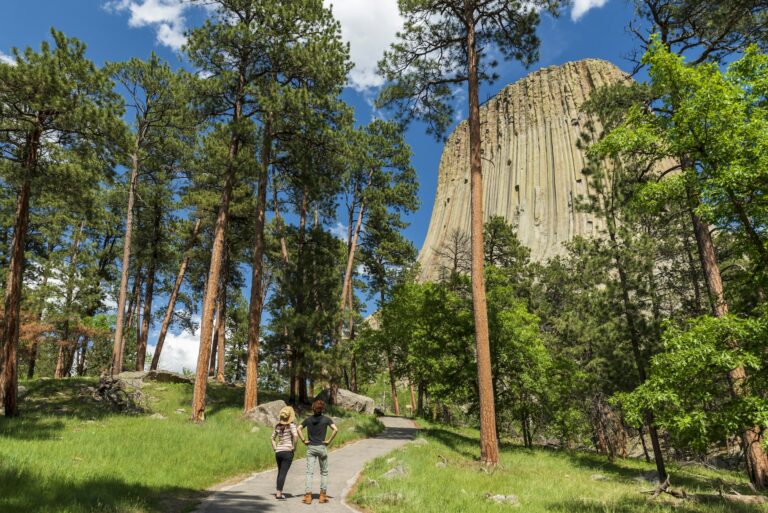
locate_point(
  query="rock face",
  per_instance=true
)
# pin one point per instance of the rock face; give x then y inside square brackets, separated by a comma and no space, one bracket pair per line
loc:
[532,168]
[350,401]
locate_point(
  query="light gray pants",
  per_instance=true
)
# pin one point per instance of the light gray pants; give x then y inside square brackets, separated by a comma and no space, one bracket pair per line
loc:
[320,453]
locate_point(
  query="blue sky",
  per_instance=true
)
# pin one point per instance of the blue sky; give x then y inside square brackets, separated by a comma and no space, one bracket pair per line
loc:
[117,30]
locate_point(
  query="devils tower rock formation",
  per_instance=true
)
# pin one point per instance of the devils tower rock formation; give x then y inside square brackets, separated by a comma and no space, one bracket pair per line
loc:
[532,167]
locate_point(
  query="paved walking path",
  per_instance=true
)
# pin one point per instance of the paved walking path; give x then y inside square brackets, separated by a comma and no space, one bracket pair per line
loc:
[256,493]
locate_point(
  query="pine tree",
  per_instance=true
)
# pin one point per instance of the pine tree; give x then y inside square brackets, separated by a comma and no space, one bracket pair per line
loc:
[51,101]
[444,44]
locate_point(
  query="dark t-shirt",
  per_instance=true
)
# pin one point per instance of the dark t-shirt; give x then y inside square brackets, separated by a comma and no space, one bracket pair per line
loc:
[317,426]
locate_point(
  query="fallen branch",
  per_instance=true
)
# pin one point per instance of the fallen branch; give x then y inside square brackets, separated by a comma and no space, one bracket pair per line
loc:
[665,487]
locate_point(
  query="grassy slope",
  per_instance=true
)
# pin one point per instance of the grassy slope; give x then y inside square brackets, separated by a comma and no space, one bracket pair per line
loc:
[542,480]
[66,454]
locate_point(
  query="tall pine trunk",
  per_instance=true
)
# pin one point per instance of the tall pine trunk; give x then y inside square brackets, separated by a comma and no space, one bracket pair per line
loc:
[489,444]
[257,276]
[755,456]
[751,436]
[149,292]
[174,296]
[214,274]
[221,334]
[118,349]
[11,321]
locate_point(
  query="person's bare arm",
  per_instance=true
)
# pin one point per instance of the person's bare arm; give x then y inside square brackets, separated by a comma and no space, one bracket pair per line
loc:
[300,431]
[334,430]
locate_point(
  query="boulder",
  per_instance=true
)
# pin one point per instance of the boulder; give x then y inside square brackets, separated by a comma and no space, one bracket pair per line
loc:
[22,391]
[267,413]
[136,379]
[350,401]
[510,500]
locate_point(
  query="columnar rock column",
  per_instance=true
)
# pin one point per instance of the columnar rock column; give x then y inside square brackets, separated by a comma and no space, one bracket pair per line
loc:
[532,166]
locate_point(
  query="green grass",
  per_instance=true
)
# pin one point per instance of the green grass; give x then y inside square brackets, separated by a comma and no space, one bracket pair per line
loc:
[67,454]
[542,480]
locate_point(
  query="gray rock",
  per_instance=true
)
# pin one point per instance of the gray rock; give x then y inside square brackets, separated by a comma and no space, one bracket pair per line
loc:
[398,471]
[337,420]
[350,401]
[158,416]
[132,379]
[440,464]
[598,477]
[509,500]
[267,413]
[137,379]
[181,411]
[255,429]
[420,441]
[22,391]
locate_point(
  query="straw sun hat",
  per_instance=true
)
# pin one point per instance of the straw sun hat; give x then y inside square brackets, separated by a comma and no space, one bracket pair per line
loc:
[287,415]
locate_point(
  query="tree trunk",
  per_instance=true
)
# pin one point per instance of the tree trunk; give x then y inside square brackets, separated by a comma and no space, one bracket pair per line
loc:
[413,399]
[174,296]
[141,343]
[756,459]
[215,344]
[81,357]
[393,385]
[33,348]
[489,445]
[118,349]
[294,379]
[634,337]
[214,273]
[10,322]
[351,262]
[420,403]
[133,308]
[221,333]
[257,266]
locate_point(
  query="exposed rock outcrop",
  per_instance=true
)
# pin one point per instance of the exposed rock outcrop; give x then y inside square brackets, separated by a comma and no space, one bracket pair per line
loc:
[532,167]
[350,401]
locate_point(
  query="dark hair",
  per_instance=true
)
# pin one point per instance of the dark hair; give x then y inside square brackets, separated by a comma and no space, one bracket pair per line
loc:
[318,406]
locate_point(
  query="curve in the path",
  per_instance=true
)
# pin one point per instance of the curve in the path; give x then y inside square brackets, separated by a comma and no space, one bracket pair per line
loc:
[256,493]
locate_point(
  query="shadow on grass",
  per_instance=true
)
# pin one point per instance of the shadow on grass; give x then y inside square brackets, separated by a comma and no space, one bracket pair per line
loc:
[462,444]
[679,478]
[642,505]
[22,492]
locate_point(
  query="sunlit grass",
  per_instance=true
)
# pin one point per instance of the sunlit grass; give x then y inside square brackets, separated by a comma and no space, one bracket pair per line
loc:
[443,475]
[67,454]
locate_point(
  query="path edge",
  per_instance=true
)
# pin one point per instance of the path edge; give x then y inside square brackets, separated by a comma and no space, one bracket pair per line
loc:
[352,483]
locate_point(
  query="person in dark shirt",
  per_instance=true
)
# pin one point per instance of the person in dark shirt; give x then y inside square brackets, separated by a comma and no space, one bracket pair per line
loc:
[317,427]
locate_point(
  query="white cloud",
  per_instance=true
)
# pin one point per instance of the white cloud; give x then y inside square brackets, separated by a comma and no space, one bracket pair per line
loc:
[165,16]
[7,59]
[580,7]
[179,351]
[340,231]
[370,27]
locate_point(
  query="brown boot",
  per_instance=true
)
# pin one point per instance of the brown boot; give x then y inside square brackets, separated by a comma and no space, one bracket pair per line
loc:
[307,498]
[323,497]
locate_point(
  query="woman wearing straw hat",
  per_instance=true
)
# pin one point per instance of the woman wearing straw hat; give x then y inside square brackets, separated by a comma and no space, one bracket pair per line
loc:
[284,443]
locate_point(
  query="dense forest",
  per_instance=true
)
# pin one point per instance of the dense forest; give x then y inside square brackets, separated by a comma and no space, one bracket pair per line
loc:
[135,195]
